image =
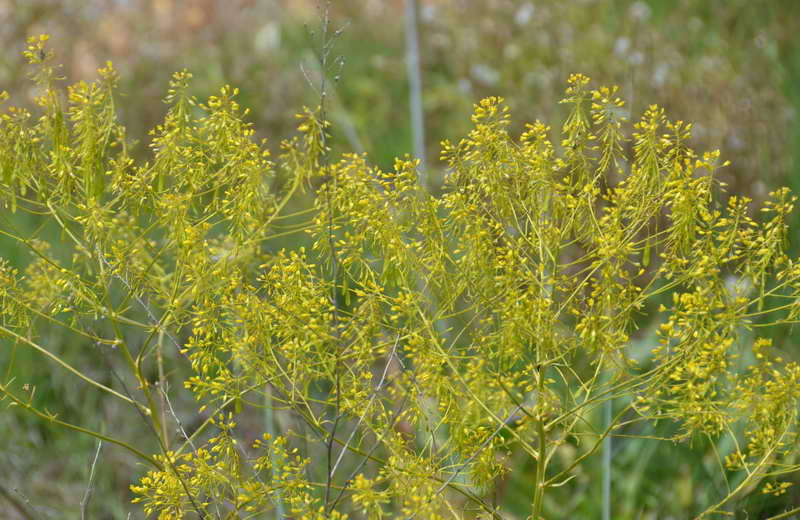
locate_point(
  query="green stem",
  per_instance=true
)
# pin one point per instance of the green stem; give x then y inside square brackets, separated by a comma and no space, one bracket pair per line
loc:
[785,514]
[539,480]
[53,419]
[269,423]
[70,368]
[607,461]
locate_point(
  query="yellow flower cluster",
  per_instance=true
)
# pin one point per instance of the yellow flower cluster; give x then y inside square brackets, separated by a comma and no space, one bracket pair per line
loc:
[407,348]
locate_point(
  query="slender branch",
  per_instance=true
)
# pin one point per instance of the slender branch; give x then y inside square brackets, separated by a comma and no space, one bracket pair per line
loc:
[71,369]
[785,514]
[53,419]
[87,495]
[539,482]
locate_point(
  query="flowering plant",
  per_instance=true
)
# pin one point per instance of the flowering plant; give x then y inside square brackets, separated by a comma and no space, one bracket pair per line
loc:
[419,346]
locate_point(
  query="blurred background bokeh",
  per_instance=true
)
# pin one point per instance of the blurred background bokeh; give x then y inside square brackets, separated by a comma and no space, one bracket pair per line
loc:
[730,66]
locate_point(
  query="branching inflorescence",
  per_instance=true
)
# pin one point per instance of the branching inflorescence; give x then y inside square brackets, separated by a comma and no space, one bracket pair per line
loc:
[475,328]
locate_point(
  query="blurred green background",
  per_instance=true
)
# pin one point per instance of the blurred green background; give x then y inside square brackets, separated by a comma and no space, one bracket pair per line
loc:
[730,66]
